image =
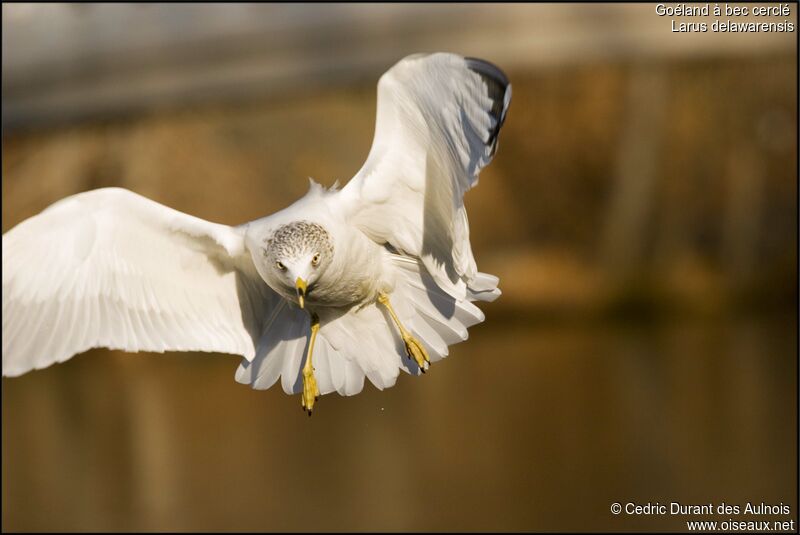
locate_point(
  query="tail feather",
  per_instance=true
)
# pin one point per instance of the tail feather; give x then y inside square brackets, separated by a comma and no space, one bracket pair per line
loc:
[364,341]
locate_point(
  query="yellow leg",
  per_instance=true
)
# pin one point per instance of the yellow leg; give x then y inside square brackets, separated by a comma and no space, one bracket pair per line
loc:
[310,390]
[414,349]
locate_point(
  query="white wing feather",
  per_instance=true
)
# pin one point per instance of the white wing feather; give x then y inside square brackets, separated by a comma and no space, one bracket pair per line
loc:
[109,268]
[437,123]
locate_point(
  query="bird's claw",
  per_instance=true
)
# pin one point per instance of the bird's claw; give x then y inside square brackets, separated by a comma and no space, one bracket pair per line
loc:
[415,350]
[310,391]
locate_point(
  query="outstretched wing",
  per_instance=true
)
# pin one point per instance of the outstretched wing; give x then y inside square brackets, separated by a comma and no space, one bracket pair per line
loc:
[437,124]
[109,268]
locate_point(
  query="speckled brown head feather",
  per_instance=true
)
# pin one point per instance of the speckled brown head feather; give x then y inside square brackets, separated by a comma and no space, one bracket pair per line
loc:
[293,239]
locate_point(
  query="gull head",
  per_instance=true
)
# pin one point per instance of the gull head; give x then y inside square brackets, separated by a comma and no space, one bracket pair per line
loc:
[297,254]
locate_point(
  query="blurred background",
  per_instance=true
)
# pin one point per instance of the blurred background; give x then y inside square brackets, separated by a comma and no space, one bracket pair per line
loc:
[641,215]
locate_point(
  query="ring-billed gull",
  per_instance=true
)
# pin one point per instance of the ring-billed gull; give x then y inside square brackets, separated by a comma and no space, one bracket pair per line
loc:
[366,280]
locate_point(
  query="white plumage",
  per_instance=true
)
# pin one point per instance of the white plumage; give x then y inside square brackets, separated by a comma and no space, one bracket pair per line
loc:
[109,268]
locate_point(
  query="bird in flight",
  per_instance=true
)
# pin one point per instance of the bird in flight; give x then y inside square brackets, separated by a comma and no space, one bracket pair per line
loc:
[366,280]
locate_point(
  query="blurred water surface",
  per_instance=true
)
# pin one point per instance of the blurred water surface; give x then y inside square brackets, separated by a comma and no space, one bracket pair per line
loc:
[525,427]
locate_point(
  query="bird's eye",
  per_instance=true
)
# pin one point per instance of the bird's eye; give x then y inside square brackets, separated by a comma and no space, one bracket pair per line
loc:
[280,266]
[315,260]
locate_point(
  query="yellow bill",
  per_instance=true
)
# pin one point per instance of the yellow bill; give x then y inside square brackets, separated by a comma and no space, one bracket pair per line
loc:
[300,284]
